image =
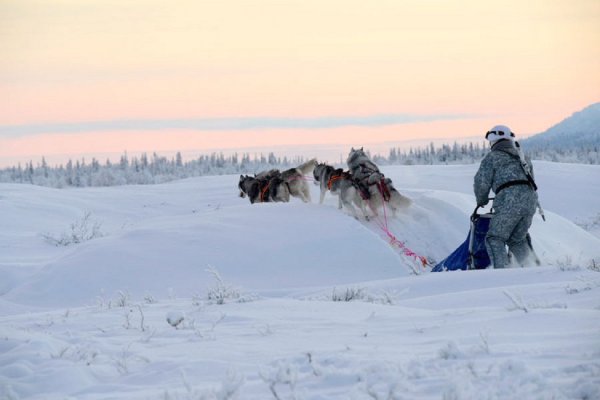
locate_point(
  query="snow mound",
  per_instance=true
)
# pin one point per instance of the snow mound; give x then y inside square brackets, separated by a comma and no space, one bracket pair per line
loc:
[315,303]
[263,247]
[161,240]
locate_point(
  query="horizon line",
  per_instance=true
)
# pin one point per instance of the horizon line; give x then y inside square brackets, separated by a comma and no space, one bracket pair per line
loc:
[277,150]
[226,123]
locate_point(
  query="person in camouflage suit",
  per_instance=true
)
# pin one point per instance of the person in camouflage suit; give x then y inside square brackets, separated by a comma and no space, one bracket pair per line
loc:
[515,199]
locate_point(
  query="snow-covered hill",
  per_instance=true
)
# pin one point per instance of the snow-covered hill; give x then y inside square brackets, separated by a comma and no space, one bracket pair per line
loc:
[579,131]
[89,320]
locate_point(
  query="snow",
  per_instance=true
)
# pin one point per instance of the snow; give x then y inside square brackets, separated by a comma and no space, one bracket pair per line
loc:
[190,292]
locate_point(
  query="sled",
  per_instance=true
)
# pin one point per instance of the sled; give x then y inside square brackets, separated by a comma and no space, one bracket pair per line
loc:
[472,253]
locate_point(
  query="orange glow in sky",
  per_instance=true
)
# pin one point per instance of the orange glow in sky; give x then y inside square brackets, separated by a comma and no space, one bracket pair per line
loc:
[459,66]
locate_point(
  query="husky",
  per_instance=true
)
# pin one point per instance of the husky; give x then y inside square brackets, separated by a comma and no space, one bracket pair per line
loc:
[375,188]
[264,187]
[297,183]
[360,165]
[339,183]
[268,174]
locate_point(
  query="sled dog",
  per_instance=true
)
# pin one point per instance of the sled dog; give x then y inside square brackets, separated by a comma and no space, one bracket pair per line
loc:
[297,183]
[265,187]
[339,183]
[374,187]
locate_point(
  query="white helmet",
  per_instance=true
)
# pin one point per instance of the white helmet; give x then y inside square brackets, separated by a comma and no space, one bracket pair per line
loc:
[499,132]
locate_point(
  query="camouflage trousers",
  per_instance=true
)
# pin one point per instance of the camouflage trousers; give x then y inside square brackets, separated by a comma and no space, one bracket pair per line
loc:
[508,229]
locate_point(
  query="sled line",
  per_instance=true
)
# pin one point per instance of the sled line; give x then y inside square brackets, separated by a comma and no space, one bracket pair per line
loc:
[398,243]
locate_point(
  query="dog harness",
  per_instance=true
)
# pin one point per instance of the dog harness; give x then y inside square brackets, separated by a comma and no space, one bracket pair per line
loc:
[264,191]
[384,190]
[333,179]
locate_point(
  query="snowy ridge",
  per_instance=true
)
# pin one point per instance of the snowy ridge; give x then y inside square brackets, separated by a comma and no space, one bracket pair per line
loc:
[88,321]
[585,121]
[580,130]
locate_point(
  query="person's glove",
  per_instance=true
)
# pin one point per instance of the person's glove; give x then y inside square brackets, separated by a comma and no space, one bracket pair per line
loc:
[483,203]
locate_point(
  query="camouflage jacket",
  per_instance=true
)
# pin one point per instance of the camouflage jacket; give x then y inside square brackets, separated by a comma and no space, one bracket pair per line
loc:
[498,167]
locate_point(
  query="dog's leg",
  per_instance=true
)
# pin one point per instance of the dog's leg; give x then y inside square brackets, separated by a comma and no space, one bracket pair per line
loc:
[323,191]
[300,189]
[366,215]
[391,201]
[349,206]
[373,207]
[361,204]
[390,206]
[284,193]
[306,190]
[352,210]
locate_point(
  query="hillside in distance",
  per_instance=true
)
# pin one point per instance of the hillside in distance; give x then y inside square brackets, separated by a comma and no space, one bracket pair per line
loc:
[579,131]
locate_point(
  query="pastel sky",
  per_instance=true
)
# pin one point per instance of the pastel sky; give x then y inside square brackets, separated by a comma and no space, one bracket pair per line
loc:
[90,77]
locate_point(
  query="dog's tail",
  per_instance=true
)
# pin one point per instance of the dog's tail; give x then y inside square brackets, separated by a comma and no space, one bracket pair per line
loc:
[403,201]
[400,200]
[307,167]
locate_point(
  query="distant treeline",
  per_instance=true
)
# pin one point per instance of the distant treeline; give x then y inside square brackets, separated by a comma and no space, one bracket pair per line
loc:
[579,148]
[139,171]
[473,152]
[158,169]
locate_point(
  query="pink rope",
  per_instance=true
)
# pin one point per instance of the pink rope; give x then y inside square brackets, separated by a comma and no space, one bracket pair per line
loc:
[395,242]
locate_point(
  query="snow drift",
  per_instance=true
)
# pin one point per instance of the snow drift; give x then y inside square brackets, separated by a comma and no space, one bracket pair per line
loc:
[171,235]
[324,307]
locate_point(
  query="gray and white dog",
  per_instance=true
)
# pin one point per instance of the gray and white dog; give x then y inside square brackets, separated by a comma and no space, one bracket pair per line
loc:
[264,187]
[377,190]
[273,185]
[297,182]
[339,183]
